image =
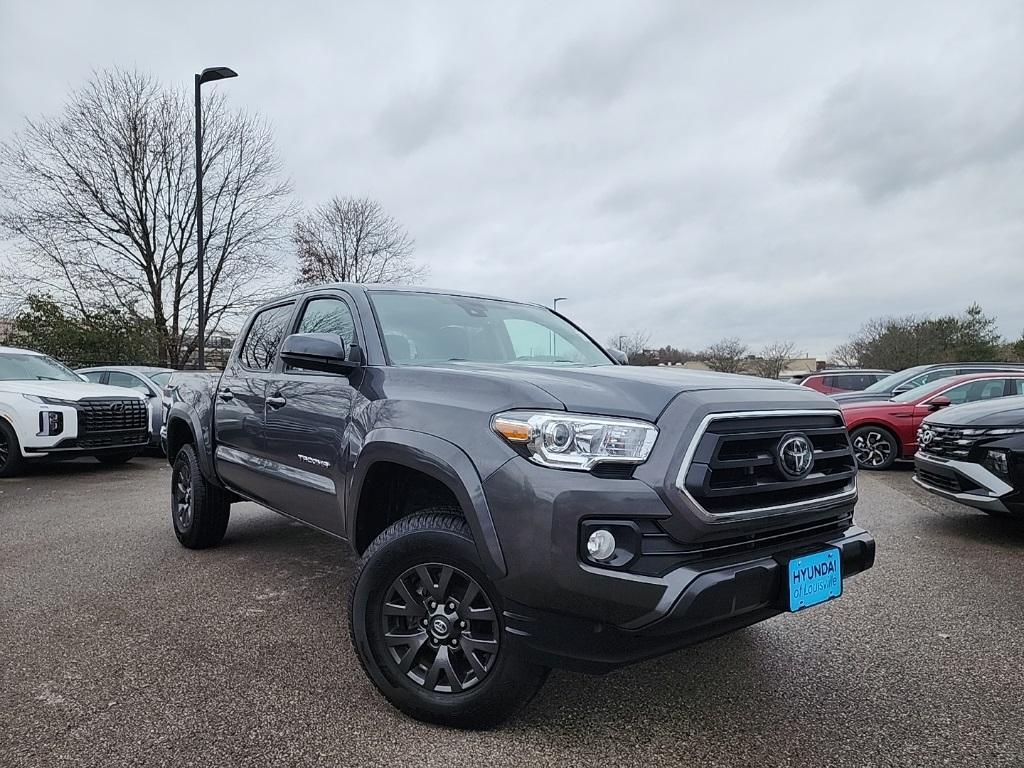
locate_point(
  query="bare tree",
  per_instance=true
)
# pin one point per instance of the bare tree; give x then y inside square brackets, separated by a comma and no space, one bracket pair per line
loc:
[773,359]
[725,356]
[352,240]
[102,197]
[632,344]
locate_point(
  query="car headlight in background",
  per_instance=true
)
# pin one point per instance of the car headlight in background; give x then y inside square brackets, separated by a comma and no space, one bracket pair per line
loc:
[574,440]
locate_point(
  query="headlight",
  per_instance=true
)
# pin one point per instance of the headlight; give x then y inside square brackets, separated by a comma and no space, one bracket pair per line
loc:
[576,441]
[49,400]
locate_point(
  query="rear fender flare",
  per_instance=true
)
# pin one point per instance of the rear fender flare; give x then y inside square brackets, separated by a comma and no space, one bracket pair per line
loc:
[202,438]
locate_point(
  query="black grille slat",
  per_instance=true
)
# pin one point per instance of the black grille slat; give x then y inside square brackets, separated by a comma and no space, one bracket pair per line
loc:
[734,465]
[103,417]
[950,442]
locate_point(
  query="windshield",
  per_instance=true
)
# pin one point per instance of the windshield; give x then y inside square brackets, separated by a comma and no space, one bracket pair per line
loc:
[921,392]
[160,379]
[893,380]
[19,367]
[425,328]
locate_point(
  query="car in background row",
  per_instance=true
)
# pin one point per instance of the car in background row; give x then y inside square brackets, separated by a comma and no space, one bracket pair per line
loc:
[148,380]
[975,455]
[834,380]
[47,411]
[886,430]
[911,378]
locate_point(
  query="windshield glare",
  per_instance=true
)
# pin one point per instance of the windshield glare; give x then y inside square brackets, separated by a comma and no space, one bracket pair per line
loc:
[426,328]
[893,380]
[20,367]
[920,392]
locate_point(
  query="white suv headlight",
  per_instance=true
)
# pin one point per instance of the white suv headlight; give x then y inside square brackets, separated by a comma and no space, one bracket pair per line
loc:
[574,440]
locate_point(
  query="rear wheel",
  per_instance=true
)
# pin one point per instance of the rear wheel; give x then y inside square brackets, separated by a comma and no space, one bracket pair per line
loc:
[199,510]
[10,451]
[874,447]
[426,624]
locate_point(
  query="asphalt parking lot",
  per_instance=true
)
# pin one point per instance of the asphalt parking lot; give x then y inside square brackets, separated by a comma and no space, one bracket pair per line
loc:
[118,647]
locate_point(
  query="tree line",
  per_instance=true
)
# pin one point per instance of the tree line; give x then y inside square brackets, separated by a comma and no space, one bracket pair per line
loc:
[887,342]
[100,202]
[729,355]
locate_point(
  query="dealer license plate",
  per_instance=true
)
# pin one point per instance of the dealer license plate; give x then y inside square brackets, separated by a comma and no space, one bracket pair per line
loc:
[815,578]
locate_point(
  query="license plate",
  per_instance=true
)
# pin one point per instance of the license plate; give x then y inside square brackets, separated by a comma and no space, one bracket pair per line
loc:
[815,578]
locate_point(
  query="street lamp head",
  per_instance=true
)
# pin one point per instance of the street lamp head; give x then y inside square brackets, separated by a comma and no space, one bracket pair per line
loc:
[216,73]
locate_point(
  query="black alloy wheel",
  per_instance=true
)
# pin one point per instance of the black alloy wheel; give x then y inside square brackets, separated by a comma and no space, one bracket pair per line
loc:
[440,628]
[181,496]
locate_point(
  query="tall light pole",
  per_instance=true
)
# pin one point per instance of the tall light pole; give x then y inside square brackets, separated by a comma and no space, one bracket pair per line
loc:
[207,75]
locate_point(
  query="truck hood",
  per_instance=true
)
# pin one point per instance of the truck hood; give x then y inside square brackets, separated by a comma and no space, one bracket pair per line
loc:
[1000,412]
[66,390]
[626,390]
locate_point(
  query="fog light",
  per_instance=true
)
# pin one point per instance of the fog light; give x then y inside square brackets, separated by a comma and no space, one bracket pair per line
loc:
[996,461]
[601,545]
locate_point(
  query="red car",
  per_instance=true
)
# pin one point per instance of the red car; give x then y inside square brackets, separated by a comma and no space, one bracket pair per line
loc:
[833,381]
[886,430]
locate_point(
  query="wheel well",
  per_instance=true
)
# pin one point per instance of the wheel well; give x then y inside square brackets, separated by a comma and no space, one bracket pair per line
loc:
[179,432]
[885,428]
[392,491]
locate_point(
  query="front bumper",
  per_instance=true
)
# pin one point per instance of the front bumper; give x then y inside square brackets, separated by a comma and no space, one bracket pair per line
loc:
[697,604]
[965,482]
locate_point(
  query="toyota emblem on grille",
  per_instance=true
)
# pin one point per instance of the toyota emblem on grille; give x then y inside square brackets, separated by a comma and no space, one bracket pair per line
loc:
[117,408]
[795,455]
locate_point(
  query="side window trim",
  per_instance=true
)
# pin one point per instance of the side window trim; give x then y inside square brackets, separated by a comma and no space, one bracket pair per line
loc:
[299,315]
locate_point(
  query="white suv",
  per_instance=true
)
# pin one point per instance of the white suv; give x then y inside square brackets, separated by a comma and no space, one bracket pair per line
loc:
[49,411]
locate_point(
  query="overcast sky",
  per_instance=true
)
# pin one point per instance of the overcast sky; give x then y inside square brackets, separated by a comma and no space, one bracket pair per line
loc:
[767,170]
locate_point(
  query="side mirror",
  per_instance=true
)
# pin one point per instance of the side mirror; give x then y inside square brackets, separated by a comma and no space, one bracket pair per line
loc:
[901,389]
[939,402]
[619,356]
[316,352]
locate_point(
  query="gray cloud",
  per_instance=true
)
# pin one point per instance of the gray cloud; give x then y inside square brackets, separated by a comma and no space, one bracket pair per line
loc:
[700,170]
[886,134]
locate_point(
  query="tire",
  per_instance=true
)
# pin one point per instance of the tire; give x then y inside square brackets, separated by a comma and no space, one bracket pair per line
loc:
[11,461]
[116,459]
[458,669]
[199,510]
[875,448]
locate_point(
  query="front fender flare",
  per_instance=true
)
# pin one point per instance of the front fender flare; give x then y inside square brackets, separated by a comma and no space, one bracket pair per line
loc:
[445,462]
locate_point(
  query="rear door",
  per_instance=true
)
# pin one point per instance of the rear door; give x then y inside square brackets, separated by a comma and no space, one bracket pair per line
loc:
[240,403]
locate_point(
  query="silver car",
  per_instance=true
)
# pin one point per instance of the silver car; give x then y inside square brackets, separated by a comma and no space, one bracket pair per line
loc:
[148,380]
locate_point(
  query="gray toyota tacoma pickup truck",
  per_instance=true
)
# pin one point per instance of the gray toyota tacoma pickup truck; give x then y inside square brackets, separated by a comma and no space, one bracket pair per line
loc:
[518,499]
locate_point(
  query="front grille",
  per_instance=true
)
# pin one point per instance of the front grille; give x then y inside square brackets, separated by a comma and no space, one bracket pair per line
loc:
[946,482]
[100,418]
[948,442]
[734,466]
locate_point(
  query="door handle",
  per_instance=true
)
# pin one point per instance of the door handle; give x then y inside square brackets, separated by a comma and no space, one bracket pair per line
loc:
[226,394]
[276,401]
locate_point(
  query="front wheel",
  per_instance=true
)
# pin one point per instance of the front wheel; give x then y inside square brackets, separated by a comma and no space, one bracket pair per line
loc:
[426,624]
[10,451]
[874,447]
